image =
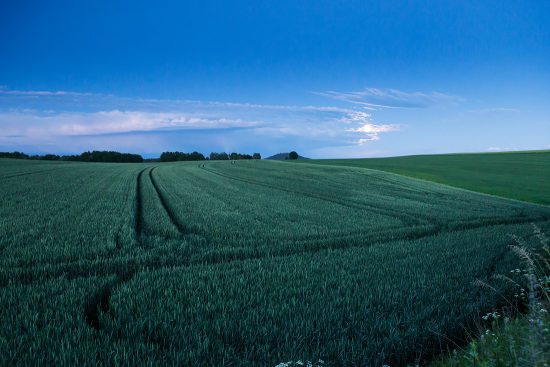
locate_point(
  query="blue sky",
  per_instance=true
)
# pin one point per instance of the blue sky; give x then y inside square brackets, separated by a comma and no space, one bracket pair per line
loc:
[326,78]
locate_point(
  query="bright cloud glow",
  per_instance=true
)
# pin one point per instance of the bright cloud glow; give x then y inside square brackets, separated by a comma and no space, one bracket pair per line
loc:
[369,130]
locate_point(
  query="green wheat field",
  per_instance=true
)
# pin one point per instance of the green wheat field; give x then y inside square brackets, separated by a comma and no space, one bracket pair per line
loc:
[254,263]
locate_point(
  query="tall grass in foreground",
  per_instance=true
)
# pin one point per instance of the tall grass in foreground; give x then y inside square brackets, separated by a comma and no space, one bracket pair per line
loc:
[524,341]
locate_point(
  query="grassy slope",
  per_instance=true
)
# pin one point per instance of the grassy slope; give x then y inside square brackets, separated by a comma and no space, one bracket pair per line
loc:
[116,263]
[248,264]
[519,175]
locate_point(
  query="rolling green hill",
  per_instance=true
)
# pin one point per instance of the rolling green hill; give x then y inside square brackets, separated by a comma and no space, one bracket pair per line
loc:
[246,263]
[517,175]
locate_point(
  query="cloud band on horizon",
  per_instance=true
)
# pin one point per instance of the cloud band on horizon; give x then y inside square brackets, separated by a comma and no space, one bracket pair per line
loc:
[56,121]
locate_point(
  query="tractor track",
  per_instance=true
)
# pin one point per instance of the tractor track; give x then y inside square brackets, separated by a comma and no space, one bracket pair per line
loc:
[169,211]
[99,302]
[27,173]
[138,216]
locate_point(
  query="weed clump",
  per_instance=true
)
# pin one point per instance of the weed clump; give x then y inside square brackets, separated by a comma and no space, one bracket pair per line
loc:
[524,340]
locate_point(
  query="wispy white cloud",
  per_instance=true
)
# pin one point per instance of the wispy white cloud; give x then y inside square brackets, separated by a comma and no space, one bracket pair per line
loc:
[46,117]
[356,116]
[495,110]
[375,98]
[37,123]
[5,91]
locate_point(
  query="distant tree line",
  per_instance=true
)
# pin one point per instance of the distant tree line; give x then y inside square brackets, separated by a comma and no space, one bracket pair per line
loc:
[180,156]
[94,156]
[196,156]
[116,157]
[223,156]
[105,156]
[14,155]
[19,155]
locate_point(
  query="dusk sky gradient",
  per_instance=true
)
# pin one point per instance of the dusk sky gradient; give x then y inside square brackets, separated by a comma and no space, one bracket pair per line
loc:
[326,78]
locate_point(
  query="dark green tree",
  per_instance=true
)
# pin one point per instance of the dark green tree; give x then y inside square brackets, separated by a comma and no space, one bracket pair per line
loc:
[180,156]
[219,156]
[293,155]
[16,155]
